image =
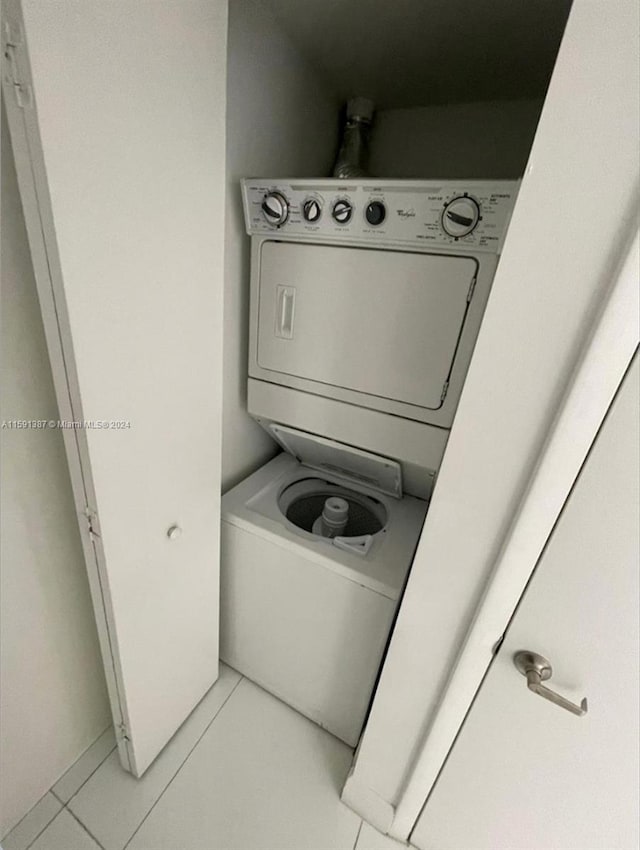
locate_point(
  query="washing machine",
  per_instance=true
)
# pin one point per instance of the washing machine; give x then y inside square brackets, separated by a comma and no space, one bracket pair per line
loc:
[366,302]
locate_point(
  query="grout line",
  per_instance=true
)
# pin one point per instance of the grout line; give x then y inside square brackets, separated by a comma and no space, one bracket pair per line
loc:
[82,784]
[358,835]
[83,754]
[90,834]
[43,829]
[53,793]
[182,764]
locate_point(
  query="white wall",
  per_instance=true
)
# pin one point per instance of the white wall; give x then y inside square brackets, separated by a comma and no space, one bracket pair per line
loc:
[550,281]
[466,140]
[281,122]
[53,695]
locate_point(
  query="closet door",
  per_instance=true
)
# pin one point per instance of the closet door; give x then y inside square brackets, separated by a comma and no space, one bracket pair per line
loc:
[525,771]
[117,116]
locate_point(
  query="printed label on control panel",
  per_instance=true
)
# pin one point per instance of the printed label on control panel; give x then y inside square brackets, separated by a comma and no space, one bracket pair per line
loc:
[469,216]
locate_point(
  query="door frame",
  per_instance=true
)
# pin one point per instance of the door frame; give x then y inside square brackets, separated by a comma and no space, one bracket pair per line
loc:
[433,668]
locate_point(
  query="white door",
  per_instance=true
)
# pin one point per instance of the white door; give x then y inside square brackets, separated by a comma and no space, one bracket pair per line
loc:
[525,772]
[118,128]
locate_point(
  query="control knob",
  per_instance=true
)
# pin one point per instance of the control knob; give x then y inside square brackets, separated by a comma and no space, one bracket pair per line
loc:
[375,213]
[311,210]
[342,211]
[460,217]
[275,208]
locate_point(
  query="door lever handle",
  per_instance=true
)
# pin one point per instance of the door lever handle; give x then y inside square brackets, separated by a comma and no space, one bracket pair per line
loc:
[537,670]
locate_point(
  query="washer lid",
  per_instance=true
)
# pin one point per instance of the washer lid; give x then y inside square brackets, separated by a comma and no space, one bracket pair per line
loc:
[346,462]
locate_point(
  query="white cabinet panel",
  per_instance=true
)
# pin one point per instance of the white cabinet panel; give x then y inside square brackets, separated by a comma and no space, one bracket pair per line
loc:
[120,156]
[527,773]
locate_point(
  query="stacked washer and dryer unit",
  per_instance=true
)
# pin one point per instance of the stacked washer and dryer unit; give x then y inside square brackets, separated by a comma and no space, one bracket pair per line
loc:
[366,301]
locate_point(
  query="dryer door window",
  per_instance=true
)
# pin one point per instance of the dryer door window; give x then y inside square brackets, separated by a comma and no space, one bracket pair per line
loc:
[385,323]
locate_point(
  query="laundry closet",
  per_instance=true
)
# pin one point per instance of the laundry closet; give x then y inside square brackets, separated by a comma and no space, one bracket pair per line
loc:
[355,430]
[354,314]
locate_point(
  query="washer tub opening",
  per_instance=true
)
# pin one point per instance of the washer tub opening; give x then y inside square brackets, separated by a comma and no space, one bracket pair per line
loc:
[302,503]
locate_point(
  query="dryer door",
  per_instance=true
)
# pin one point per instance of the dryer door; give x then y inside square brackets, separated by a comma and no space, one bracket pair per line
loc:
[384,323]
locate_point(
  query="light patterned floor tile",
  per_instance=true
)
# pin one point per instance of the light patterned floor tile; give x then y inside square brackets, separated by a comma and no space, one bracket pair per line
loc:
[262,778]
[113,803]
[89,761]
[65,833]
[32,824]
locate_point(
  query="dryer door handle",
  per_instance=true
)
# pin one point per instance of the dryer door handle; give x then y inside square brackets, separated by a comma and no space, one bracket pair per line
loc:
[285,309]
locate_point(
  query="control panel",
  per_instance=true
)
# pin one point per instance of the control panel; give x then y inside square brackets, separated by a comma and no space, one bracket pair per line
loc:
[470,215]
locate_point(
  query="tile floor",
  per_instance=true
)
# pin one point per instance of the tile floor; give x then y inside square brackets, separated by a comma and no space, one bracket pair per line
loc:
[245,772]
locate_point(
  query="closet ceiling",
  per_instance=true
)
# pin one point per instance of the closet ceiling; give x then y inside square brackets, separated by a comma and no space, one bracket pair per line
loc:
[405,53]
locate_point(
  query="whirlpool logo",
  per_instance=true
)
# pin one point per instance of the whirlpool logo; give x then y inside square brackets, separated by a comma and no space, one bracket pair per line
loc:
[406,213]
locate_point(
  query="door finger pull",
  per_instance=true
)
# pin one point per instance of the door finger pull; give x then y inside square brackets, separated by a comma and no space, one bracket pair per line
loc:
[537,670]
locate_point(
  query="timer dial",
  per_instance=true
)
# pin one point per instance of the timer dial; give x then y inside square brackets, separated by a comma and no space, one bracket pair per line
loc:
[311,210]
[275,208]
[342,211]
[460,217]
